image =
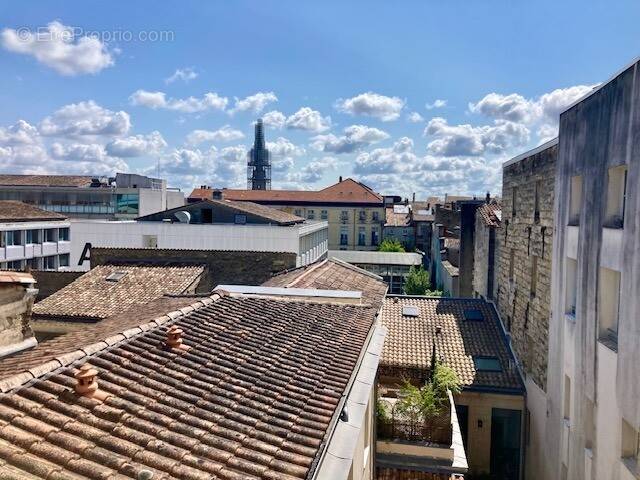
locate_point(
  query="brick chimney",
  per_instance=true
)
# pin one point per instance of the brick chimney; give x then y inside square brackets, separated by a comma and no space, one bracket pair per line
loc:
[17,294]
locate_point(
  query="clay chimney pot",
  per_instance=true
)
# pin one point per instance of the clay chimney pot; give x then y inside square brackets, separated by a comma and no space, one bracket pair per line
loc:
[174,338]
[87,383]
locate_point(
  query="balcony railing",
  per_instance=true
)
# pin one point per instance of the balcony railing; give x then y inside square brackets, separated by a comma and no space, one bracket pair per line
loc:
[436,432]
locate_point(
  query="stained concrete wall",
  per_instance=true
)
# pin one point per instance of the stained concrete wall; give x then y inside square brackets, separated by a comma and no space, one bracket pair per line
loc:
[599,132]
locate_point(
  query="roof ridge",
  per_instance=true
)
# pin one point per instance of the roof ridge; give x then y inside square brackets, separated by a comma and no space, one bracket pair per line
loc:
[307,272]
[355,268]
[19,379]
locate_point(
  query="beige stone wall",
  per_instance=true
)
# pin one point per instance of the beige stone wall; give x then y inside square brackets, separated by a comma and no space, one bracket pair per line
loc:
[15,313]
[353,223]
[524,259]
[481,254]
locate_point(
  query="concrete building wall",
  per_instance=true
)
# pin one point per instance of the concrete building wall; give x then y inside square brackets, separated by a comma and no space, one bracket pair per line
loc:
[594,381]
[307,241]
[48,251]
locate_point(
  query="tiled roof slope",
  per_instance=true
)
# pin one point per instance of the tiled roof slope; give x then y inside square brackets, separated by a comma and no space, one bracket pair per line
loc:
[92,296]
[333,274]
[15,211]
[409,340]
[395,219]
[253,398]
[267,213]
[46,180]
[347,191]
[490,214]
[67,343]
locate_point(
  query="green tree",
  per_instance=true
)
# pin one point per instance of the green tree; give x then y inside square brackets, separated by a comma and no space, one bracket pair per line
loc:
[417,283]
[391,245]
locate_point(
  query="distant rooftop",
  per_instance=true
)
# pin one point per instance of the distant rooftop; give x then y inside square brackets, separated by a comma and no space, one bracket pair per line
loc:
[108,289]
[15,211]
[471,341]
[377,258]
[345,191]
[491,214]
[46,180]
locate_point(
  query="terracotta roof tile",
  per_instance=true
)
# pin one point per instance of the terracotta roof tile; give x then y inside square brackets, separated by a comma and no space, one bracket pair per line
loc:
[16,277]
[409,341]
[14,211]
[396,219]
[490,213]
[347,191]
[94,296]
[333,274]
[252,398]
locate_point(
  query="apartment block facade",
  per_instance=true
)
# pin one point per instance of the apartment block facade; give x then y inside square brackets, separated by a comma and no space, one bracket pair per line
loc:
[593,382]
[33,238]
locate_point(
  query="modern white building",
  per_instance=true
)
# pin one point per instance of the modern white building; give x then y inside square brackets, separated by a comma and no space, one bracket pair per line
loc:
[593,406]
[33,238]
[207,225]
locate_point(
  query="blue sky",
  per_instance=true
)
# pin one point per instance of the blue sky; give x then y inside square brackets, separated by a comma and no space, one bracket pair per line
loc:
[407,96]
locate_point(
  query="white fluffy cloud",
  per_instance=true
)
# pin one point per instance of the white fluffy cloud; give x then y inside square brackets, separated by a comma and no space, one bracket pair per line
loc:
[468,140]
[274,119]
[254,103]
[137,145]
[438,103]
[21,133]
[85,118]
[415,117]
[354,138]
[313,171]
[283,153]
[185,74]
[57,47]
[308,119]
[372,105]
[159,100]
[543,111]
[224,134]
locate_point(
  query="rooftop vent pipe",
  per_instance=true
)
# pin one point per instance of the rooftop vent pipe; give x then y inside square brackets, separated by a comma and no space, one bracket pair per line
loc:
[174,338]
[87,383]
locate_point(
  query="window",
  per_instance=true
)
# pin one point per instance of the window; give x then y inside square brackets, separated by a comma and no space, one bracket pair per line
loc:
[616,197]
[344,236]
[567,398]
[630,444]
[410,311]
[207,215]
[361,236]
[473,315]
[239,219]
[115,276]
[514,193]
[63,260]
[375,240]
[571,287]
[608,305]
[362,216]
[536,208]
[127,203]
[50,263]
[344,216]
[32,236]
[298,212]
[33,263]
[63,234]
[14,237]
[487,364]
[575,202]
[375,216]
[324,215]
[311,215]
[534,276]
[50,235]
[15,265]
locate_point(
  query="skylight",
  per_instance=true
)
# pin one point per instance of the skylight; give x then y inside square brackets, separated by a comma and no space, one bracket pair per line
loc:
[473,315]
[115,276]
[487,364]
[410,311]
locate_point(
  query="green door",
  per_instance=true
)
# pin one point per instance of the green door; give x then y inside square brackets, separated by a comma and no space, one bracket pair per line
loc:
[505,444]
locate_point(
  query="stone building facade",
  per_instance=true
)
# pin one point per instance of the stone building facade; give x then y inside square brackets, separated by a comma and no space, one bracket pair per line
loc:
[524,259]
[486,247]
